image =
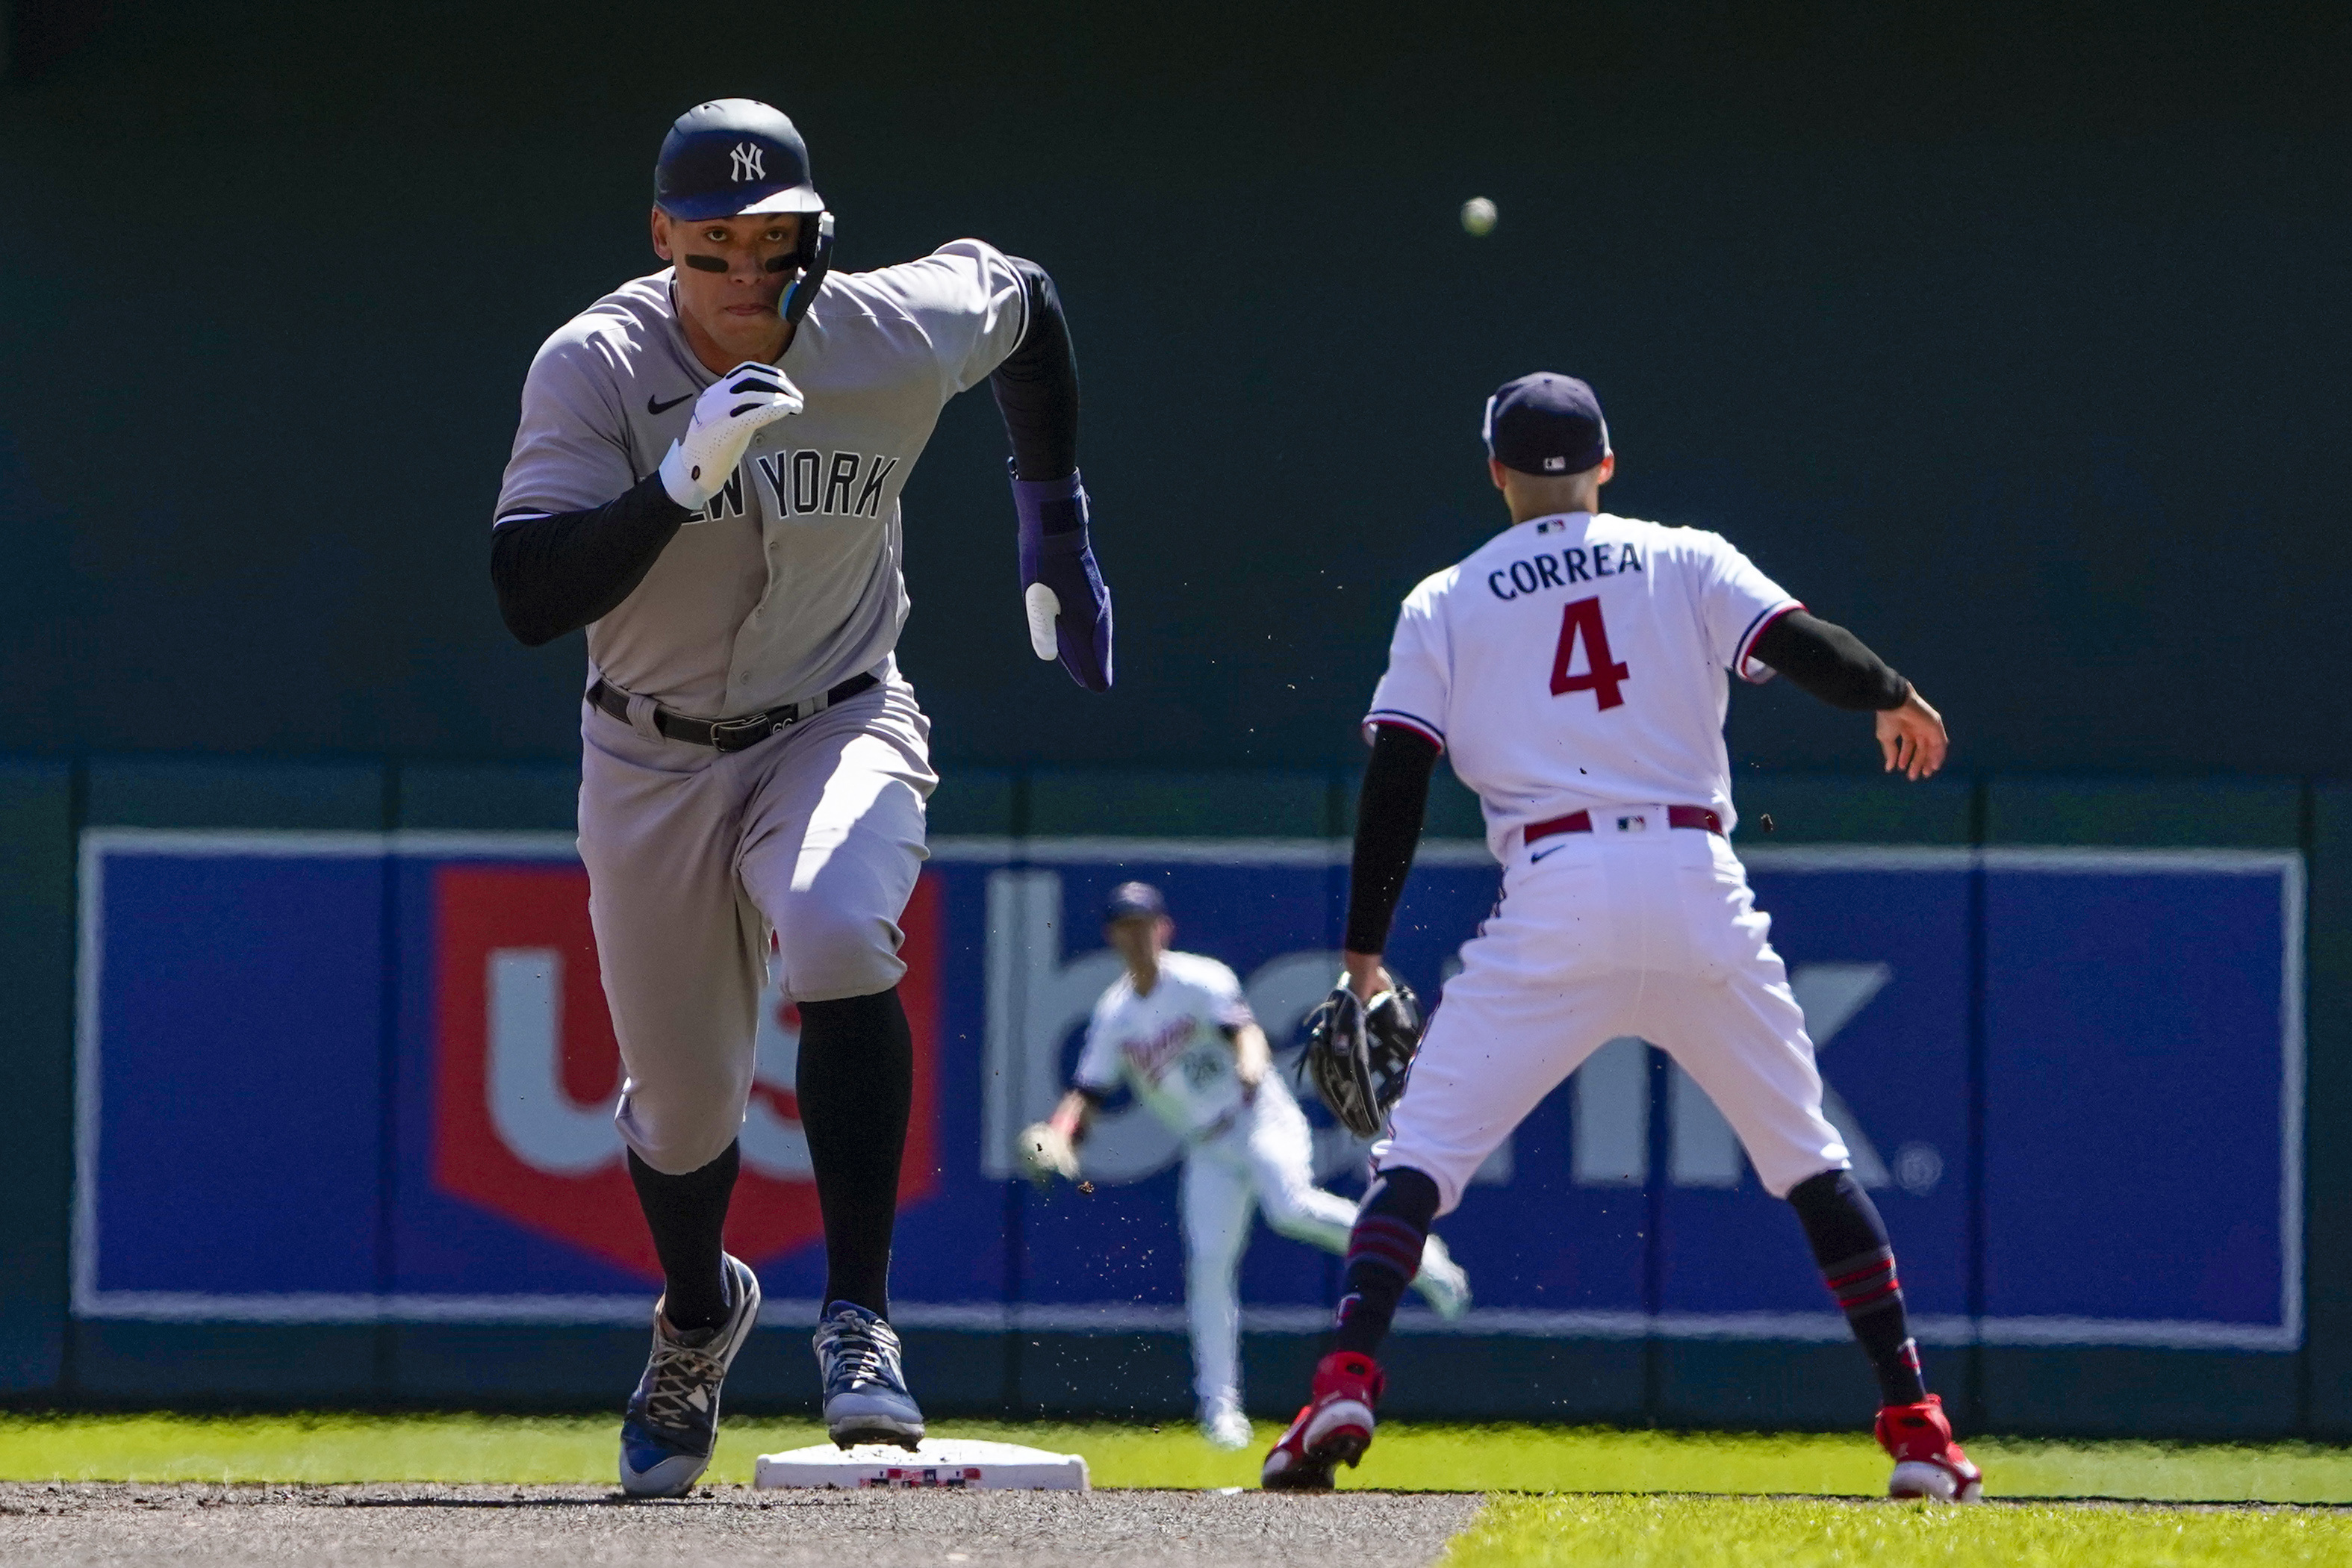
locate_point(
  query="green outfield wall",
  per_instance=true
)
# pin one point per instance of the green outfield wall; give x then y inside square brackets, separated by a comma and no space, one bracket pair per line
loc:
[2012,337]
[50,1359]
[2009,336]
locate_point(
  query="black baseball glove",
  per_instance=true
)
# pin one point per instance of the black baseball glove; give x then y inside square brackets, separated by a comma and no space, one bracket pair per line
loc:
[1359,1053]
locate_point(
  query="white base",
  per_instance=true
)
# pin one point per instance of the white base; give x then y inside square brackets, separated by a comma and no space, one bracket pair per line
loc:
[949,1462]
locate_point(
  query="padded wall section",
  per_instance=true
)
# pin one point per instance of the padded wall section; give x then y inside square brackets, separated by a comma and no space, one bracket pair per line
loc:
[1540,1235]
[37,872]
[2327,1386]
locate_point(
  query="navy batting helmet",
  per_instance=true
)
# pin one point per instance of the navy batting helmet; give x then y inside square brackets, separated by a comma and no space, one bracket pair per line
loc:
[731,157]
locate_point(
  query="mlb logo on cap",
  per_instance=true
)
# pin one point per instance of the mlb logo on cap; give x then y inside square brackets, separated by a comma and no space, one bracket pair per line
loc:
[1546,424]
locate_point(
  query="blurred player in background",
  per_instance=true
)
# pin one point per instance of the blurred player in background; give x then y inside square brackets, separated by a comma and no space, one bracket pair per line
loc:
[1176,1029]
[1576,665]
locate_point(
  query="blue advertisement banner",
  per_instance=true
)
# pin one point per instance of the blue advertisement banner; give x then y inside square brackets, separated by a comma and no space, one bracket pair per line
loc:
[355,1077]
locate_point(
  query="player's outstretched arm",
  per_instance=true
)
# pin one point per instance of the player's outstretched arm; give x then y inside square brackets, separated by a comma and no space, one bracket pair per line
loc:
[1389,810]
[1062,590]
[1912,738]
[1831,663]
[1050,1148]
[1253,1056]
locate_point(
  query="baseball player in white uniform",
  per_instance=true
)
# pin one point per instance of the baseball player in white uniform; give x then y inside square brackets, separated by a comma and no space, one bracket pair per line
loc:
[705,475]
[1177,1032]
[1577,666]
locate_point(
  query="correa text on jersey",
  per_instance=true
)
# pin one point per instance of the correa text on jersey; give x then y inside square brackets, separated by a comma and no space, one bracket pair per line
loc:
[1577,563]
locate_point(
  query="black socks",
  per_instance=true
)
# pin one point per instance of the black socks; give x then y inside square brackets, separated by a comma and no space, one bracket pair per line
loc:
[1383,1255]
[1849,1243]
[857,1084]
[1848,1238]
[686,1215]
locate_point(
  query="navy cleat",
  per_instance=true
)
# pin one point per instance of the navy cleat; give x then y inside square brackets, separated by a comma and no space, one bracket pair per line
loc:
[865,1397]
[672,1425]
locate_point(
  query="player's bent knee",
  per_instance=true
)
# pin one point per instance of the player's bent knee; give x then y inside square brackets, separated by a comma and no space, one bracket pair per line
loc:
[679,1146]
[1450,1175]
[1817,1187]
[1784,1185]
[828,954]
[1286,1216]
[679,1120]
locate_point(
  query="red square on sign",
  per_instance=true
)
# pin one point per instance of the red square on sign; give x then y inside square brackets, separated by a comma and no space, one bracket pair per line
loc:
[526,1071]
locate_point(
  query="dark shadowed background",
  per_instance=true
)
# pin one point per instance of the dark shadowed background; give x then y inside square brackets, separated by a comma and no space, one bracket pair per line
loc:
[2011,336]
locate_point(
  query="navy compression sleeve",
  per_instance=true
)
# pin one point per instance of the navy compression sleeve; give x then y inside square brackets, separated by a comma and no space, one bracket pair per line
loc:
[1388,830]
[1829,662]
[558,572]
[1037,387]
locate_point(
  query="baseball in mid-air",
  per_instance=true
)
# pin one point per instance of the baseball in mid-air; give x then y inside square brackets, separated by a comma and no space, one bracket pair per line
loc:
[1478,216]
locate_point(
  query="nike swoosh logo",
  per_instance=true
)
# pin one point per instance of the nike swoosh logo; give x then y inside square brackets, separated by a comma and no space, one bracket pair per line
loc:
[1541,854]
[653,406]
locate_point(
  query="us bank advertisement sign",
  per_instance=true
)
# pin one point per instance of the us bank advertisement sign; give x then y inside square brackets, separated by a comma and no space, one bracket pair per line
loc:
[361,1077]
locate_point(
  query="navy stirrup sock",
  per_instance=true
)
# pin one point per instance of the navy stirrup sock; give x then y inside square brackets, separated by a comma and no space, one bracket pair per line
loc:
[1383,1255]
[1848,1242]
[686,1215]
[857,1084]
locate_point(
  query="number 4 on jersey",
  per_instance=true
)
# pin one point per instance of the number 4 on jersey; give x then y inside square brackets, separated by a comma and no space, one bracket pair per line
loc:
[1583,619]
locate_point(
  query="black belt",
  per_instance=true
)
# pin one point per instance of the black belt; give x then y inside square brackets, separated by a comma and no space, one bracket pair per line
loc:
[729,735]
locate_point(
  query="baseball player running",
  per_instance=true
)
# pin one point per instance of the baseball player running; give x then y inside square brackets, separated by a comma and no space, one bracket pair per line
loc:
[706,476]
[1176,1028]
[1575,665]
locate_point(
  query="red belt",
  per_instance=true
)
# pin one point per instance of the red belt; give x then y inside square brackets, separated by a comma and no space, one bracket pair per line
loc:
[1697,816]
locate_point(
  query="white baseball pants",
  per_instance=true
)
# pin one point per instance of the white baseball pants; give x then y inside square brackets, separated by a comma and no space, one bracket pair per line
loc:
[1266,1159]
[1633,929]
[693,857]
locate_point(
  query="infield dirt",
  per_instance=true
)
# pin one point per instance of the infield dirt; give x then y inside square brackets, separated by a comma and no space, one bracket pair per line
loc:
[492,1527]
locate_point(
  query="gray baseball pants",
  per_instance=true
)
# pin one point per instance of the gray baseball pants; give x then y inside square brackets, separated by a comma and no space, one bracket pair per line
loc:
[695,856]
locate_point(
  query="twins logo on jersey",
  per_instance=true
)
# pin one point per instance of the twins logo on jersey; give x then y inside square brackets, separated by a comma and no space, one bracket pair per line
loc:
[1152,1053]
[838,484]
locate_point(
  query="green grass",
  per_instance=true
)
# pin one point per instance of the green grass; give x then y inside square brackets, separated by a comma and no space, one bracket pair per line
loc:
[1738,1533]
[323,1448]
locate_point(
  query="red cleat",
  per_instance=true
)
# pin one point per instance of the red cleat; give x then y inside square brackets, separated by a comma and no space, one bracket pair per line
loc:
[1335,1426]
[1927,1463]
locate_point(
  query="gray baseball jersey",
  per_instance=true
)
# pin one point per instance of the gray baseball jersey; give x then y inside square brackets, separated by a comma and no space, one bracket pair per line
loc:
[789,581]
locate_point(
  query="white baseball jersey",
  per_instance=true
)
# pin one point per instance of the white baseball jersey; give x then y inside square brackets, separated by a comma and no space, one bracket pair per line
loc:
[1171,1048]
[1578,661]
[787,581]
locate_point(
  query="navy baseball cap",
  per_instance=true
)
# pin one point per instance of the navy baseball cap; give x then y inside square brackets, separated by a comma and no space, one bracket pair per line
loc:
[732,156]
[1546,424]
[1131,899]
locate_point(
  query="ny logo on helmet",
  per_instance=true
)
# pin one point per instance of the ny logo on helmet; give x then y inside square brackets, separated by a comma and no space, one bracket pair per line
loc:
[746,158]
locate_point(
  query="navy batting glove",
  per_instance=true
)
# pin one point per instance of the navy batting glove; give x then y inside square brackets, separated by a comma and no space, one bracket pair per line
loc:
[1061,589]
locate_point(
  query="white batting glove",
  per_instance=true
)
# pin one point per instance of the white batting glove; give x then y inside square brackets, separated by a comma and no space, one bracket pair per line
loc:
[730,411]
[1046,1152]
